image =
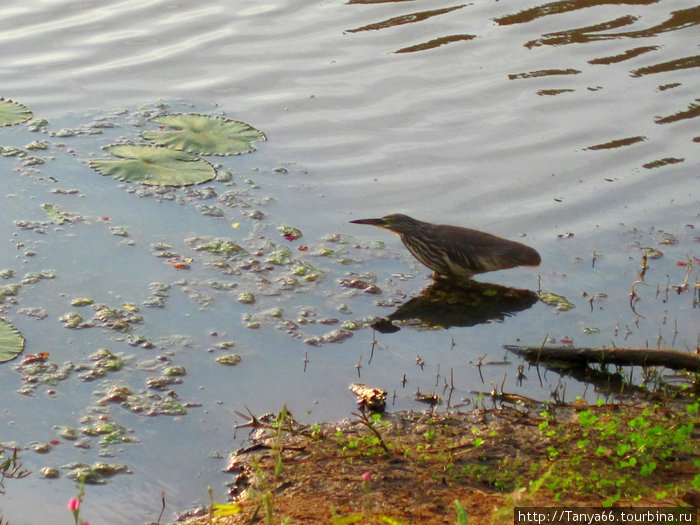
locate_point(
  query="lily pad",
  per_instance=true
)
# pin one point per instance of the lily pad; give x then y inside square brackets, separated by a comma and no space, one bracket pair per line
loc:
[12,112]
[203,135]
[154,166]
[11,341]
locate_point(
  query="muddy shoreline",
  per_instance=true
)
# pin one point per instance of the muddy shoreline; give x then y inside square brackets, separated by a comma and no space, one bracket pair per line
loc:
[412,467]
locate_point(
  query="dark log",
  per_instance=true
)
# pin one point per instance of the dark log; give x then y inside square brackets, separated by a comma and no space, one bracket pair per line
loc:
[617,356]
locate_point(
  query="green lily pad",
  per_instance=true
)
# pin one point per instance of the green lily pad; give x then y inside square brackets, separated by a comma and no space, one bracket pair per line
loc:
[12,112]
[154,166]
[11,341]
[203,135]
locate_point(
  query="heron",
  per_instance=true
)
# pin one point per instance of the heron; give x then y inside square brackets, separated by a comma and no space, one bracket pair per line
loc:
[453,251]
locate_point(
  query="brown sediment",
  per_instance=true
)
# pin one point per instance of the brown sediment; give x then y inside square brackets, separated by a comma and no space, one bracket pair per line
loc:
[416,465]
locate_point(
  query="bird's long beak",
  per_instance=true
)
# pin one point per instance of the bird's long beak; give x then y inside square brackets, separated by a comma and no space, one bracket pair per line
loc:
[374,222]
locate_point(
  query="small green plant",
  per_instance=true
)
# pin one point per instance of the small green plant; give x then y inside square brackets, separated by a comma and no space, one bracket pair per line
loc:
[279,425]
[375,438]
[696,482]
[316,432]
[10,467]
[587,418]
[621,449]
[264,492]
[366,478]
[220,510]
[462,518]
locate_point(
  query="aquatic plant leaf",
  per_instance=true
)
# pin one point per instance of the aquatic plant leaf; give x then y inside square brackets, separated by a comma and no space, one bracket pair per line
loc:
[154,166]
[12,112]
[226,509]
[11,341]
[290,232]
[230,359]
[56,216]
[559,301]
[203,135]
[223,247]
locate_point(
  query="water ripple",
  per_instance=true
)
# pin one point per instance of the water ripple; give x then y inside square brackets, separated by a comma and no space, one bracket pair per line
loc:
[565,116]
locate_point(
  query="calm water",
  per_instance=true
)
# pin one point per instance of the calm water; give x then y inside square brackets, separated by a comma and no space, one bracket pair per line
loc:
[532,121]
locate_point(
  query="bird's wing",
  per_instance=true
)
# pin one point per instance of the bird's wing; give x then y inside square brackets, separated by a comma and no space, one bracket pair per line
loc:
[483,252]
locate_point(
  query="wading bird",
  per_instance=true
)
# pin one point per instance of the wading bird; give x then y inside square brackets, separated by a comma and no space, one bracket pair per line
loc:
[455,252]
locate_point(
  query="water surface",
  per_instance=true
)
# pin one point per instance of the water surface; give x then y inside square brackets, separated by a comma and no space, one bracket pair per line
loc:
[534,121]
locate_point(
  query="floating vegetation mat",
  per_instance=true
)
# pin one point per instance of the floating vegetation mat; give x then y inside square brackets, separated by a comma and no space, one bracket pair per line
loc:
[221,251]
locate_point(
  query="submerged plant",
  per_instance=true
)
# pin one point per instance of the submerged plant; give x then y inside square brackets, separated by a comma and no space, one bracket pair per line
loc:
[204,135]
[154,166]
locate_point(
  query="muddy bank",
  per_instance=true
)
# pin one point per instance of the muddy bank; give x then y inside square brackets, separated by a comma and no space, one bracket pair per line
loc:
[413,467]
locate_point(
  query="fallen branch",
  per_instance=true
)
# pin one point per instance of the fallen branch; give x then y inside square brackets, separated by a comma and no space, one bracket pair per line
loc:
[616,356]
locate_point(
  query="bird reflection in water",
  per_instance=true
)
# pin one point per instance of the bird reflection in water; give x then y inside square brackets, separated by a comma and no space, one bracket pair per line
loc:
[442,304]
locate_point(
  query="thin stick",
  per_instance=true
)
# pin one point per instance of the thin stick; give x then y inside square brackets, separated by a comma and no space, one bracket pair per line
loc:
[162,498]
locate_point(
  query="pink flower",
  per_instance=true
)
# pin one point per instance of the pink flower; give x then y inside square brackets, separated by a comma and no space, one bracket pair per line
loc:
[73,504]
[366,476]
